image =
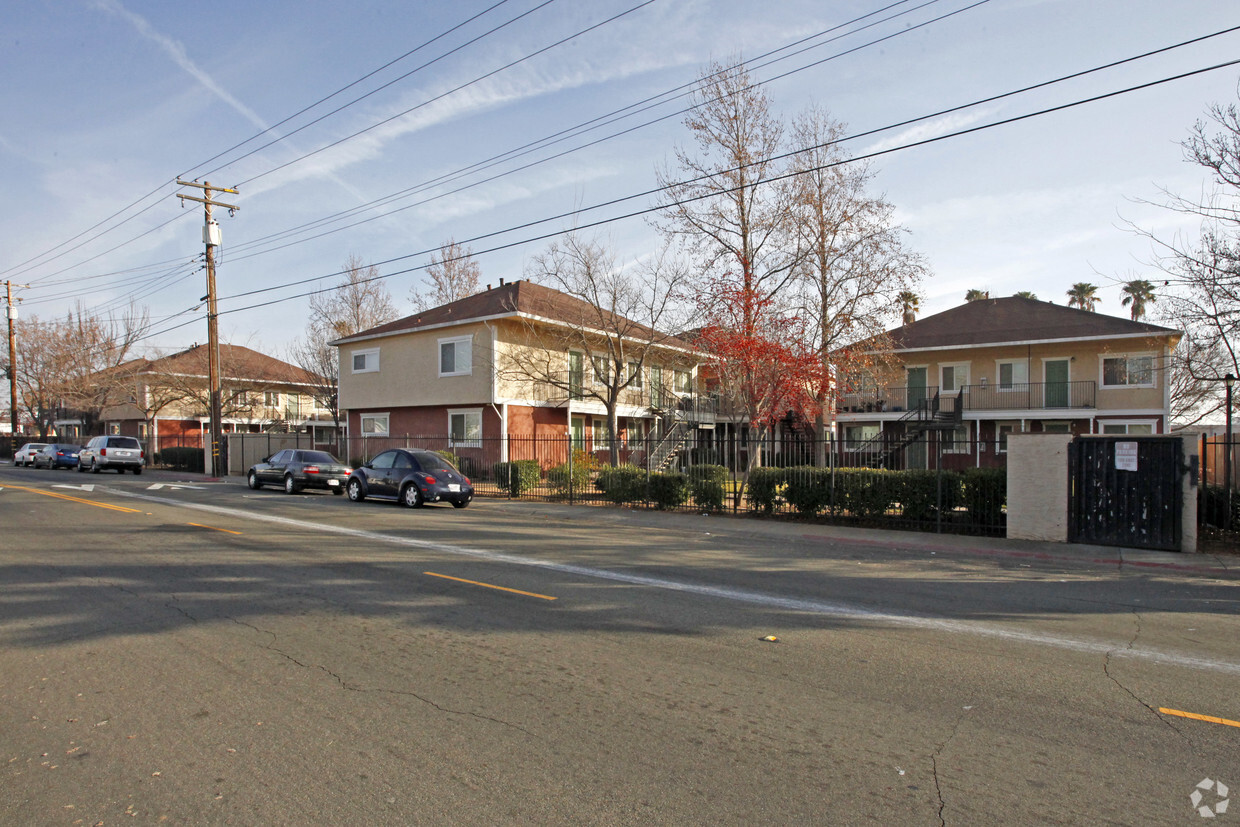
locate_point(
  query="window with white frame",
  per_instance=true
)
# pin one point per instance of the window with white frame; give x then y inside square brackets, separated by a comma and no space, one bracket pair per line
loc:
[954,377]
[1004,430]
[366,361]
[1056,428]
[599,434]
[465,428]
[856,436]
[1128,371]
[956,440]
[681,381]
[374,424]
[456,356]
[602,369]
[1124,428]
[1014,375]
[271,399]
[635,375]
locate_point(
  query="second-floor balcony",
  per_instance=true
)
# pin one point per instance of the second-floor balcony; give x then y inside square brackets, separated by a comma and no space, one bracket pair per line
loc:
[988,397]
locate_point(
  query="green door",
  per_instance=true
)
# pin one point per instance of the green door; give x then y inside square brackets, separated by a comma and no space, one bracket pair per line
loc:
[916,387]
[1056,374]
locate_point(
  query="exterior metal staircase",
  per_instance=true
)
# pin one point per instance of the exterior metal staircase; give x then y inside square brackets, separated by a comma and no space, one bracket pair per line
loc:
[929,415]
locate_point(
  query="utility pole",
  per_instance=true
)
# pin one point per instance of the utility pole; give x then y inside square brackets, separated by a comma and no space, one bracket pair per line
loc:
[211,238]
[12,313]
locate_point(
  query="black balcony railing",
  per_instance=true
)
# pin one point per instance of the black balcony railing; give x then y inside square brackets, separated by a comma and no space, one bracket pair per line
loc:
[989,397]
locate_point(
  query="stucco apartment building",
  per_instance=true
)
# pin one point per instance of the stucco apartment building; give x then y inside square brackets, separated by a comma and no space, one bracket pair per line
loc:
[1011,365]
[505,365]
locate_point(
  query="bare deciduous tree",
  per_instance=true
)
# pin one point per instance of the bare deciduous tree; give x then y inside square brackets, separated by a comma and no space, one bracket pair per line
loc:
[454,275]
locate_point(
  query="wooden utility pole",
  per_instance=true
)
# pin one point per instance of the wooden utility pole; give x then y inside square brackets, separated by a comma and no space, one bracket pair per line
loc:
[12,314]
[211,238]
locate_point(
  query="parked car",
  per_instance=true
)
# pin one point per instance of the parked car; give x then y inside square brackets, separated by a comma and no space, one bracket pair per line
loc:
[25,454]
[296,469]
[116,452]
[57,455]
[411,477]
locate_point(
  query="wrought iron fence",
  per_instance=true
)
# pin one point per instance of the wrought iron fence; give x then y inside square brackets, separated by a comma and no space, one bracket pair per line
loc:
[941,490]
[1218,503]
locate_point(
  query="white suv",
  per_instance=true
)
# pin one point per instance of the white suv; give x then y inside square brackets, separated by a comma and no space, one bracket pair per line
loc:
[118,452]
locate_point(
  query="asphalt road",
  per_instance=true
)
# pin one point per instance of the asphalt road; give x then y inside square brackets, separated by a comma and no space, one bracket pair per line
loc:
[212,655]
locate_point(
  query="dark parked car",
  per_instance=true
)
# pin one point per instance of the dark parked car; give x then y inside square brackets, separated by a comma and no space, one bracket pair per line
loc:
[296,469]
[57,455]
[411,477]
[117,452]
[25,454]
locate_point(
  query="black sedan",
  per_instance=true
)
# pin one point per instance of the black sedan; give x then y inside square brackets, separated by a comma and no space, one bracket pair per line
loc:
[295,469]
[411,477]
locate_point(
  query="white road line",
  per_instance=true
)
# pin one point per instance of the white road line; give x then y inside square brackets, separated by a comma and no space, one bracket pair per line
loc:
[772,601]
[87,487]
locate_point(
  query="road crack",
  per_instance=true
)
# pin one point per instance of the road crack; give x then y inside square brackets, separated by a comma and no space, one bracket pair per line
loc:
[934,763]
[1106,668]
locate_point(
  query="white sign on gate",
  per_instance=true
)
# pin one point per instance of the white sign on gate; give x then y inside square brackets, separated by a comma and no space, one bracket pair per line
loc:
[1126,456]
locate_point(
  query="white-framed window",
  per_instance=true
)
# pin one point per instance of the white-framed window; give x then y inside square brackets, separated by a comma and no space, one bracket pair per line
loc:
[1128,371]
[682,381]
[1134,428]
[656,382]
[635,375]
[465,428]
[374,424]
[1003,431]
[953,377]
[599,435]
[271,399]
[857,435]
[456,356]
[1056,428]
[1013,375]
[602,369]
[956,441]
[365,361]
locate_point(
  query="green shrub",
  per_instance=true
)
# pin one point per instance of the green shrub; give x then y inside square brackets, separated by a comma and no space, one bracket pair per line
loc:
[808,489]
[707,485]
[181,458]
[764,486]
[626,484]
[984,493]
[517,477]
[917,492]
[668,490]
[864,493]
[559,477]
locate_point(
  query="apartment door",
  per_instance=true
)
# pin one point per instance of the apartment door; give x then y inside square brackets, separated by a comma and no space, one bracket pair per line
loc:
[1055,372]
[577,429]
[916,387]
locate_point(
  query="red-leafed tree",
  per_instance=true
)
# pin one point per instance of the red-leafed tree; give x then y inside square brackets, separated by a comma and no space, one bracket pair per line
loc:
[761,357]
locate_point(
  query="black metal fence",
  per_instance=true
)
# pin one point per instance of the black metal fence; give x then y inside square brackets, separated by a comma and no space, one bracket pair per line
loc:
[817,480]
[1218,504]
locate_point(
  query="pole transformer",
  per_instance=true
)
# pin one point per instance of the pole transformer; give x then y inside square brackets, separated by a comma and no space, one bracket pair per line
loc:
[211,238]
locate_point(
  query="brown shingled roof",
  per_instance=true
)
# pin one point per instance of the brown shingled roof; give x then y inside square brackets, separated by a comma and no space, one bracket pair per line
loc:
[236,362]
[1014,319]
[518,298]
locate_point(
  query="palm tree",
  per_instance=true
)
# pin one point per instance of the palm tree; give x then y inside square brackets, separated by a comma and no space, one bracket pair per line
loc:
[1138,293]
[976,295]
[911,303]
[1025,294]
[1083,295]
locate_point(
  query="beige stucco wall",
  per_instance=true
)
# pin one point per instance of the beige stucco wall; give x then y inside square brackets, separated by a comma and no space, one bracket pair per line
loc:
[1037,479]
[409,371]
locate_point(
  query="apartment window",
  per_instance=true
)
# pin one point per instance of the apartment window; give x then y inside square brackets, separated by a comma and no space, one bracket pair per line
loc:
[366,361]
[1056,428]
[681,381]
[635,375]
[465,428]
[956,441]
[271,399]
[955,377]
[1013,375]
[576,374]
[456,356]
[1005,430]
[374,424]
[602,369]
[1128,371]
[599,435]
[656,382]
[857,435]
[1128,428]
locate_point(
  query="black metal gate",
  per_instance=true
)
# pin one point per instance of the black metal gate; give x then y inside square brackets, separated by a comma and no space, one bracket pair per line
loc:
[1111,504]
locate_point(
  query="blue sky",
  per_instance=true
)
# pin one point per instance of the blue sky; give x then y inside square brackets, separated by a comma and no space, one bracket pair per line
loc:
[109,101]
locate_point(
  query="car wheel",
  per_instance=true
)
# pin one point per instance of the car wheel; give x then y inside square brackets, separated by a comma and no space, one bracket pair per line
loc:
[94,467]
[81,468]
[290,484]
[252,481]
[355,491]
[411,497]
[460,503]
[137,470]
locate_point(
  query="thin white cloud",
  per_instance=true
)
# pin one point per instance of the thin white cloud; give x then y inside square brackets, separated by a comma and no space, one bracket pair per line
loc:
[930,129]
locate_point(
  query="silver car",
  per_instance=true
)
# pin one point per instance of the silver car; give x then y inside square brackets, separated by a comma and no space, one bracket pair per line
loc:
[24,457]
[115,452]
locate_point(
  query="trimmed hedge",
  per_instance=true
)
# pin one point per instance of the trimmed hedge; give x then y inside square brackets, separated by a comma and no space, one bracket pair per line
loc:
[765,486]
[669,490]
[984,494]
[626,484]
[517,477]
[707,485]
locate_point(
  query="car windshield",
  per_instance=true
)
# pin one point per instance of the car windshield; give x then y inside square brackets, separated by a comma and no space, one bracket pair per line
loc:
[433,462]
[318,456]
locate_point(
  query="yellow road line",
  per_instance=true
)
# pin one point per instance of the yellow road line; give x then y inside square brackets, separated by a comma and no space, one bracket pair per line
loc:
[1210,718]
[489,586]
[213,528]
[76,499]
